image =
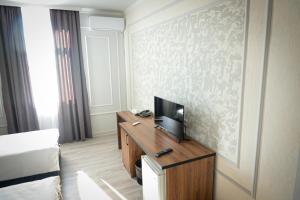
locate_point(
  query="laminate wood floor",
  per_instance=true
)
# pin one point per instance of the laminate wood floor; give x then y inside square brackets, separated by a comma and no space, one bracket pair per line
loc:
[93,169]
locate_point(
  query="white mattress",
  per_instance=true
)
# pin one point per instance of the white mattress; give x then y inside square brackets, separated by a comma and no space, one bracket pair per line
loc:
[45,189]
[29,153]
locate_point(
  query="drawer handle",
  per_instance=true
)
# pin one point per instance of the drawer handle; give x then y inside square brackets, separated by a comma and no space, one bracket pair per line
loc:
[126,139]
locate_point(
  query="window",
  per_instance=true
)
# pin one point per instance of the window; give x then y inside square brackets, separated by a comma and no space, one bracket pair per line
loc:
[41,60]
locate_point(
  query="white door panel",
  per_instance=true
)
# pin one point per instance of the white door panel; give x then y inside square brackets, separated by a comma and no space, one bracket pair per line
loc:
[102,66]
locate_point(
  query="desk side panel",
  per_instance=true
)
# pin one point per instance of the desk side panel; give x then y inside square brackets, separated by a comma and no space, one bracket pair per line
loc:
[193,180]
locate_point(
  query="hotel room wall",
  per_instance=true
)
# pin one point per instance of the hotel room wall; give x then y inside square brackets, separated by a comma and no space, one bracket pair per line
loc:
[280,144]
[297,184]
[147,21]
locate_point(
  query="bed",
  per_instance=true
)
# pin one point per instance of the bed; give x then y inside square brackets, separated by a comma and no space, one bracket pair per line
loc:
[46,189]
[27,155]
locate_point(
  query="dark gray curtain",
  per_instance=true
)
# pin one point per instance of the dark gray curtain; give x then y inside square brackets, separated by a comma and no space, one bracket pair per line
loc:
[16,89]
[74,115]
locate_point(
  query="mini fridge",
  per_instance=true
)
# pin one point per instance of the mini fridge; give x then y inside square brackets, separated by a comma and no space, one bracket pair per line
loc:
[154,180]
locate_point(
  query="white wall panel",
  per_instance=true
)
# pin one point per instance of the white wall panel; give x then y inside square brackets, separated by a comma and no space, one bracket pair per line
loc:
[105,73]
[103,123]
[99,72]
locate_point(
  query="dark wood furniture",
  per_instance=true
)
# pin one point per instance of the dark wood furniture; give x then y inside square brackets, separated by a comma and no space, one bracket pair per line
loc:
[130,152]
[189,167]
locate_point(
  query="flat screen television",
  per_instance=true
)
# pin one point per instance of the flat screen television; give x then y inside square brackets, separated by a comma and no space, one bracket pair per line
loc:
[170,117]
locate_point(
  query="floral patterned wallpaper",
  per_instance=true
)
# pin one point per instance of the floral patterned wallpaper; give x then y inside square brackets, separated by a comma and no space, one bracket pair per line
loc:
[196,60]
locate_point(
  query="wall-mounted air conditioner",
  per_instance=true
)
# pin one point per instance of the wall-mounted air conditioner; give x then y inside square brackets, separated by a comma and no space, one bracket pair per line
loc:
[107,23]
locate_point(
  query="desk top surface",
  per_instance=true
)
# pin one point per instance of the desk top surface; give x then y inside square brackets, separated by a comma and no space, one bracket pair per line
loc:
[151,140]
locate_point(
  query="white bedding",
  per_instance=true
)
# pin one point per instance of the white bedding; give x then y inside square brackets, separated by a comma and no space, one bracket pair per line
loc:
[28,153]
[45,189]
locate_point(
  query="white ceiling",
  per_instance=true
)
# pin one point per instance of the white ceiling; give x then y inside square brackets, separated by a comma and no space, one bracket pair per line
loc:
[119,5]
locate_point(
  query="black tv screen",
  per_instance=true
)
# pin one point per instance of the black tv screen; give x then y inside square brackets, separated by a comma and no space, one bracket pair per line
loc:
[169,116]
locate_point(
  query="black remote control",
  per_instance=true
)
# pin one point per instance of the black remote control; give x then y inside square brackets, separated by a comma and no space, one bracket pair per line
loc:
[163,152]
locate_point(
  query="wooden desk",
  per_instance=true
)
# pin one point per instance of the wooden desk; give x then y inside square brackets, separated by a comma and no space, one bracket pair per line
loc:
[189,167]
[126,116]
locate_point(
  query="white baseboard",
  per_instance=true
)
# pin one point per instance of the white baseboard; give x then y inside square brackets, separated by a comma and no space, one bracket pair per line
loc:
[111,132]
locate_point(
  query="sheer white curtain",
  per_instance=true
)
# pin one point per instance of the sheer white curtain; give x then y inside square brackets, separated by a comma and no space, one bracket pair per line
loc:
[42,67]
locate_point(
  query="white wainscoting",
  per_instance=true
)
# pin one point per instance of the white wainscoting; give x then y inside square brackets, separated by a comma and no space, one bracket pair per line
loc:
[105,75]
